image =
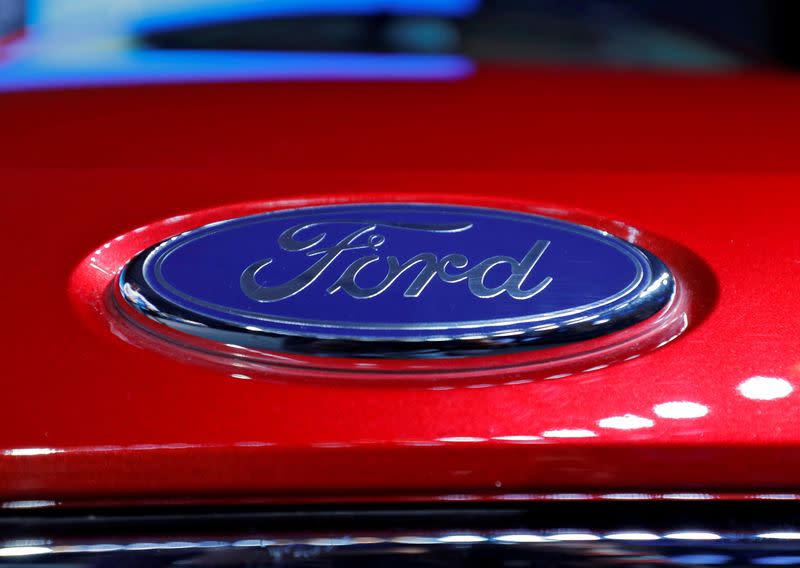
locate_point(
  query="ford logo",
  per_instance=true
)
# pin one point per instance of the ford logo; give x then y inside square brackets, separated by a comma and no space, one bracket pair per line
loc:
[396,280]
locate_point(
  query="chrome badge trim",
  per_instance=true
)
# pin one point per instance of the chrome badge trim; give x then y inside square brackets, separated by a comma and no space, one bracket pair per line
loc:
[396,280]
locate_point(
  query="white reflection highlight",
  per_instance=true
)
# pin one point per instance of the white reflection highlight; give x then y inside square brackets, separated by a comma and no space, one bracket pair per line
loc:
[30,451]
[459,496]
[517,438]
[28,504]
[765,388]
[176,545]
[778,496]
[143,546]
[632,536]
[568,496]
[462,538]
[24,550]
[688,496]
[627,496]
[463,439]
[519,538]
[625,422]
[516,496]
[179,218]
[781,535]
[680,409]
[691,535]
[569,433]
[559,376]
[211,544]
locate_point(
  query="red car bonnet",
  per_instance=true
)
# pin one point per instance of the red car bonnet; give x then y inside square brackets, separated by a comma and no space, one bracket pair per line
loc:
[704,166]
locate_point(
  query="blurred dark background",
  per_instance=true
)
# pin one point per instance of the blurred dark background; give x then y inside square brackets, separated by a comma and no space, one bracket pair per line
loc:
[52,43]
[660,33]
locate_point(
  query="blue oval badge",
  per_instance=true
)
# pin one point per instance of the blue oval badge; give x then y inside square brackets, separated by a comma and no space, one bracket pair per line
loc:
[396,280]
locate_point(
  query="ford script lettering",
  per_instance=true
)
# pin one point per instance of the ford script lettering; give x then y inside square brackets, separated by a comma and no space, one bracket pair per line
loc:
[410,279]
[427,265]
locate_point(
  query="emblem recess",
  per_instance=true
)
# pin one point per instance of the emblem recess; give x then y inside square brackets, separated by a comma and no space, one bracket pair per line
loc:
[396,280]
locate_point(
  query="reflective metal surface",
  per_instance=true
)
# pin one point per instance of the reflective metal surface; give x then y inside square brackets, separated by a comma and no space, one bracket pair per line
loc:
[389,279]
[515,549]
[729,534]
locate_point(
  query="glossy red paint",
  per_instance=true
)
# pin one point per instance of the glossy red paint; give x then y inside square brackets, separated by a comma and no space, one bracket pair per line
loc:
[705,162]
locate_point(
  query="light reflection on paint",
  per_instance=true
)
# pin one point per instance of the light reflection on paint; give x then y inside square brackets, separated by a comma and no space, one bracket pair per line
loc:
[777,496]
[31,504]
[569,433]
[688,496]
[517,438]
[680,409]
[568,496]
[627,496]
[30,451]
[765,388]
[625,422]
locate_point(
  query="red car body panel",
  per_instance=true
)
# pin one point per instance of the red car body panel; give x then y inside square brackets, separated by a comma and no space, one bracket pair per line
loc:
[706,162]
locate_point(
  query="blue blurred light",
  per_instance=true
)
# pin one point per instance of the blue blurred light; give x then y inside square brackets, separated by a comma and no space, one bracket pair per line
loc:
[152,66]
[151,15]
[702,559]
[777,560]
[241,9]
